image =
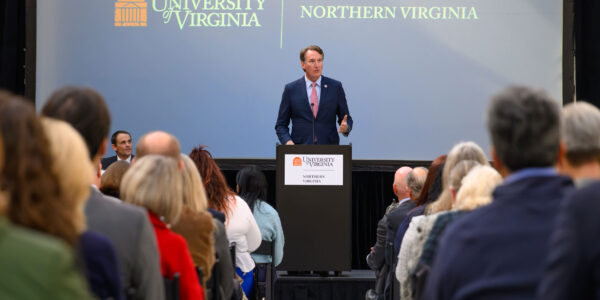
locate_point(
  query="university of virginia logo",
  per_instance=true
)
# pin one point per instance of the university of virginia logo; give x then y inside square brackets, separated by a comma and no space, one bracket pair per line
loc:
[131,13]
[297,162]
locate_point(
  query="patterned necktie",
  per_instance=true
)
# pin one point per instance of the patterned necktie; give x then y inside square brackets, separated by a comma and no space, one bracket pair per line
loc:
[314,100]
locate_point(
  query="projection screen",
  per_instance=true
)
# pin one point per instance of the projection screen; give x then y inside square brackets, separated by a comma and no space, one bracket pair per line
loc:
[418,74]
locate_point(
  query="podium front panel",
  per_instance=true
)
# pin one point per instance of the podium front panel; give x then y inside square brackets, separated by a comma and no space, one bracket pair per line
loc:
[315,206]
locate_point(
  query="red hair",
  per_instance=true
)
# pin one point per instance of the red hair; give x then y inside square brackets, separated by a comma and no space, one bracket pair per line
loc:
[220,196]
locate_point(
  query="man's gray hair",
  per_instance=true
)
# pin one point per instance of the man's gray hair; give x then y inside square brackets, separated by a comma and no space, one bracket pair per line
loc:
[581,132]
[415,182]
[524,126]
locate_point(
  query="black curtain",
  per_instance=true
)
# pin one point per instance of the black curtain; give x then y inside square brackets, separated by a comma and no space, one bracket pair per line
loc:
[12,46]
[587,50]
[371,194]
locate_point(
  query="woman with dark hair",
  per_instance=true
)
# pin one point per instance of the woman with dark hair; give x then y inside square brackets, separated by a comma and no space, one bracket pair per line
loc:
[252,187]
[240,225]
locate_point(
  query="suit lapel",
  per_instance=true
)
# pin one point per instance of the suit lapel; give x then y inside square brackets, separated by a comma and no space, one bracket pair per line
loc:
[302,85]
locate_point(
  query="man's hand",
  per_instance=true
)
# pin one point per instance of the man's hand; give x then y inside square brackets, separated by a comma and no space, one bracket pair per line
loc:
[344,125]
[290,142]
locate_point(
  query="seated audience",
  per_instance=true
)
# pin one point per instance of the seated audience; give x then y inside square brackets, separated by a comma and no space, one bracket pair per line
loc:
[74,170]
[418,231]
[122,145]
[572,266]
[461,151]
[154,182]
[241,226]
[110,182]
[125,225]
[498,251]
[252,187]
[474,191]
[27,257]
[196,224]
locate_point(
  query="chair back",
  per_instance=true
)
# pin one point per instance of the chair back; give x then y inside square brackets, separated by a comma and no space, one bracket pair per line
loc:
[264,286]
[171,287]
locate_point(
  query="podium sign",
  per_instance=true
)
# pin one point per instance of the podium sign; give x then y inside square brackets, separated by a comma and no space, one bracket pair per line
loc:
[314,169]
[315,206]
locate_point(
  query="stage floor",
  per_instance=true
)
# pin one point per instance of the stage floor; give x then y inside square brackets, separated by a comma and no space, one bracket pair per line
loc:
[349,285]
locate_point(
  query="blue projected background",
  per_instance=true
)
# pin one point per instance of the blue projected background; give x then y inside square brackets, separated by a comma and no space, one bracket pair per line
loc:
[418,74]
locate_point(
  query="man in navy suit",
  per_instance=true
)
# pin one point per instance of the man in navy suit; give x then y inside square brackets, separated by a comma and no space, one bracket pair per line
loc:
[312,103]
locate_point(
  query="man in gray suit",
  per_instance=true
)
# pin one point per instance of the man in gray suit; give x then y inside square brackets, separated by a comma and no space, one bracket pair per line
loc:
[126,226]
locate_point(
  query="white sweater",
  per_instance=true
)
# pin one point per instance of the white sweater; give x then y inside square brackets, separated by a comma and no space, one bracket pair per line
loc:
[242,229]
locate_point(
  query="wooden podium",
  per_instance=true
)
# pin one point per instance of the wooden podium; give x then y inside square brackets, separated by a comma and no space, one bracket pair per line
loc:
[315,206]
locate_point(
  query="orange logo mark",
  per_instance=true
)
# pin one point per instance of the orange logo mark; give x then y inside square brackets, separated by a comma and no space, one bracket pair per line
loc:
[131,13]
[297,162]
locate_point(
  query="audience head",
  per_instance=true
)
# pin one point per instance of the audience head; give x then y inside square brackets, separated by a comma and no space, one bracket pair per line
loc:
[85,109]
[121,143]
[218,192]
[252,185]
[28,177]
[110,182]
[477,187]
[400,188]
[458,172]
[158,142]
[154,182]
[461,151]
[580,132]
[432,188]
[414,181]
[72,165]
[524,126]
[194,195]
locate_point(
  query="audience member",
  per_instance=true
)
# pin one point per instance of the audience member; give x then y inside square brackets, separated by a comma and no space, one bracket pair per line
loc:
[154,182]
[580,132]
[418,231]
[196,224]
[498,250]
[252,187]
[241,226]
[121,143]
[572,269]
[110,182]
[28,256]
[126,226]
[72,166]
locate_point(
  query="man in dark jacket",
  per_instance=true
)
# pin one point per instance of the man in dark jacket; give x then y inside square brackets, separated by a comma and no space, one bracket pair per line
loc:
[498,251]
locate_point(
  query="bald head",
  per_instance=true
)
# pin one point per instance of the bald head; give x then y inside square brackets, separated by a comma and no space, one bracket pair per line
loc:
[158,142]
[400,188]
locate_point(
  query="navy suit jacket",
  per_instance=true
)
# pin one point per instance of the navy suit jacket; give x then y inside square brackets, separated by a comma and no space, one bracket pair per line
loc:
[107,161]
[573,263]
[498,251]
[296,107]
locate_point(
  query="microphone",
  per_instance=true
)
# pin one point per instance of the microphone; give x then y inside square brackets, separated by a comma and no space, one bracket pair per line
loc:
[312,108]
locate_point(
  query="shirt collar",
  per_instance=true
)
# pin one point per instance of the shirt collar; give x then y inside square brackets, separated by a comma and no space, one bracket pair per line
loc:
[127,160]
[403,200]
[530,172]
[308,82]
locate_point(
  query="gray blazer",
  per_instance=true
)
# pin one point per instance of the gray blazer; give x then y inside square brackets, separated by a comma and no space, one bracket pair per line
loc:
[129,230]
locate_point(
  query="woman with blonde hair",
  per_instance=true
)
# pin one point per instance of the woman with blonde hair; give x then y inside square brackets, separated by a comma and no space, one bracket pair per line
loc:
[240,225]
[196,224]
[154,182]
[75,172]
